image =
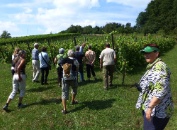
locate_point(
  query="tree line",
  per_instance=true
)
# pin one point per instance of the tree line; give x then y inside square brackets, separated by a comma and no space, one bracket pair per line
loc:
[160,17]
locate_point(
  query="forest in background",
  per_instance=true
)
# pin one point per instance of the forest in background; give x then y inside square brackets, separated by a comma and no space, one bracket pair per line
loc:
[158,18]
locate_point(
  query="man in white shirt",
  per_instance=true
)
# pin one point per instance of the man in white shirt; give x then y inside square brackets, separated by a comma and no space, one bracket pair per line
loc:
[107,63]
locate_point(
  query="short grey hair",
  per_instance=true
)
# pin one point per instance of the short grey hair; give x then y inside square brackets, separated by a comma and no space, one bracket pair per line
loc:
[61,51]
[36,44]
[70,53]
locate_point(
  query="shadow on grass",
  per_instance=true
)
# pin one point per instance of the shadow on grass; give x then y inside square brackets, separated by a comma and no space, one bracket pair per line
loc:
[54,79]
[40,89]
[89,81]
[115,86]
[46,102]
[95,105]
[126,85]
[8,111]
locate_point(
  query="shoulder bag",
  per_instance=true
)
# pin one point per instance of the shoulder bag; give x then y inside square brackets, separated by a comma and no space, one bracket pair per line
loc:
[49,66]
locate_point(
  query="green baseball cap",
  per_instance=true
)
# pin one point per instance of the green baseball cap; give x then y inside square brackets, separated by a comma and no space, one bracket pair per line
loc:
[149,49]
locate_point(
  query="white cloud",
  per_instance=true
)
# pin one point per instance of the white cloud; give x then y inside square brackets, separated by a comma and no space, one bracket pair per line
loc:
[73,4]
[8,26]
[56,15]
[24,18]
[28,10]
[132,3]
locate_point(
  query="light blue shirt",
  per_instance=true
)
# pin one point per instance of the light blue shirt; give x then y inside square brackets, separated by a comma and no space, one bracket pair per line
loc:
[35,54]
[45,56]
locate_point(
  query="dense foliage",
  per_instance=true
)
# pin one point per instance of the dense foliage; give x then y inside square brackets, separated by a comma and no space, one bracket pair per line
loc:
[159,17]
[36,38]
[127,47]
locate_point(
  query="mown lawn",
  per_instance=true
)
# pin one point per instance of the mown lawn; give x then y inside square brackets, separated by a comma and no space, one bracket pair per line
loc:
[97,109]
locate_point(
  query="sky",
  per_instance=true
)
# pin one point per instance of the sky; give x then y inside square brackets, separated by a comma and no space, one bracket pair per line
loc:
[34,17]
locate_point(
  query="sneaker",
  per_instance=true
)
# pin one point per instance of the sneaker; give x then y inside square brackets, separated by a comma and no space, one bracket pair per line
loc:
[22,106]
[64,111]
[5,108]
[74,102]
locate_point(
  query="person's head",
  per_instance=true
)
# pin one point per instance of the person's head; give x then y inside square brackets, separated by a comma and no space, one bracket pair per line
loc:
[151,52]
[107,45]
[36,45]
[16,51]
[70,53]
[44,49]
[22,53]
[77,48]
[83,45]
[89,47]
[61,51]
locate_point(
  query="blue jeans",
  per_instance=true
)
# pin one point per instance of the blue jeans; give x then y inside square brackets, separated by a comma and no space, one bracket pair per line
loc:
[44,75]
[81,73]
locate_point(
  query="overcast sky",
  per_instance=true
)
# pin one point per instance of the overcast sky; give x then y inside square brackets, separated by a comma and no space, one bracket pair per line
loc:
[32,17]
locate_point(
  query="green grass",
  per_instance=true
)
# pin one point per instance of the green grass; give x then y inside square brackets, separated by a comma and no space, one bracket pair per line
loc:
[97,109]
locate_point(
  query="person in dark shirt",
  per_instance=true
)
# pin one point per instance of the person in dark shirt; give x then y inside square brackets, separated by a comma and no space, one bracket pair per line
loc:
[80,56]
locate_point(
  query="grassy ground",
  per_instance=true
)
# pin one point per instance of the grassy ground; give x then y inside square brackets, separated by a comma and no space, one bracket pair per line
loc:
[97,109]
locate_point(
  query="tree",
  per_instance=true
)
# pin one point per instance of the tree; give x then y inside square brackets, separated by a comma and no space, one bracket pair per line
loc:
[87,29]
[109,27]
[5,34]
[160,15]
[97,30]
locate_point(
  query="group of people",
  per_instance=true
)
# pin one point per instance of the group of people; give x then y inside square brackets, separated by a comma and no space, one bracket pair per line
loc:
[155,99]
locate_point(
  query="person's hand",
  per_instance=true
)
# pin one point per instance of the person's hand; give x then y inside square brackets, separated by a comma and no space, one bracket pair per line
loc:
[148,114]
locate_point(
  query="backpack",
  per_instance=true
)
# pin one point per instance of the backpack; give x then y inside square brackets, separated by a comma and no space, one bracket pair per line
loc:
[68,70]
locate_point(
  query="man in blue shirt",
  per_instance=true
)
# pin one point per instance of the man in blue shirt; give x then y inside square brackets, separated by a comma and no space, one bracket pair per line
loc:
[35,62]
